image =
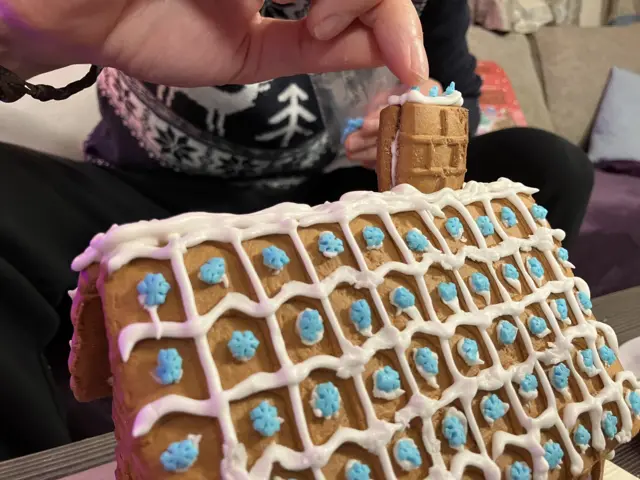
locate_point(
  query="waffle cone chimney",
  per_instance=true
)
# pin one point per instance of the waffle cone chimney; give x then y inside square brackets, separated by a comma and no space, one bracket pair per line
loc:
[422,145]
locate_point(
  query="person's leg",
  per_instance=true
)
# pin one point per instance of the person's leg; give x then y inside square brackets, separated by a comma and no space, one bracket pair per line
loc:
[560,170]
[49,211]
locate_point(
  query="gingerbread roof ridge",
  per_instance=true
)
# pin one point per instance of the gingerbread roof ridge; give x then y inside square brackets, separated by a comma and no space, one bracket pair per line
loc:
[109,247]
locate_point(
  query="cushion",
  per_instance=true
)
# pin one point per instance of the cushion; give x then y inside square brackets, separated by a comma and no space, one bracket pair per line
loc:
[513,54]
[615,132]
[575,64]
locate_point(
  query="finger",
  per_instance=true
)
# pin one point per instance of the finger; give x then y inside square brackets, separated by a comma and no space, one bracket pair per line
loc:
[357,142]
[364,156]
[395,24]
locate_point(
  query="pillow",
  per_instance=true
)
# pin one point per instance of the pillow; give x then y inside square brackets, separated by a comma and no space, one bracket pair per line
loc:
[615,137]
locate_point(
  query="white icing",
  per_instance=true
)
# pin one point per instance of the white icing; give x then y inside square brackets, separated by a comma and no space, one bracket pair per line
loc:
[566,264]
[454,305]
[72,293]
[565,392]
[405,465]
[415,96]
[542,334]
[514,282]
[394,159]
[224,280]
[627,399]
[538,280]
[327,253]
[591,371]
[454,412]
[488,419]
[399,309]
[398,392]
[432,379]
[586,311]
[556,313]
[169,240]
[486,295]
[466,359]
[316,411]
[528,396]
[299,332]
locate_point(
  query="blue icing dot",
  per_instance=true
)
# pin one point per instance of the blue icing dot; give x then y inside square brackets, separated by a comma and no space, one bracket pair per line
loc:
[560,376]
[310,326]
[520,471]
[454,227]
[180,456]
[353,125]
[508,217]
[416,241]
[493,407]
[507,333]
[265,419]
[450,89]
[360,314]
[553,454]
[563,254]
[433,91]
[581,436]
[387,379]
[275,258]
[485,225]
[213,271]
[537,325]
[169,369]
[529,383]
[373,236]
[243,345]
[406,452]
[402,298]
[539,212]
[329,245]
[358,471]
[606,355]
[561,306]
[536,267]
[634,401]
[510,271]
[154,289]
[609,425]
[585,301]
[469,349]
[326,399]
[587,357]
[447,291]
[454,431]
[479,282]
[426,360]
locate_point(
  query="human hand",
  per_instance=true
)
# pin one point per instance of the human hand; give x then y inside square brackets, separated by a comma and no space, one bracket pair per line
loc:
[361,145]
[213,42]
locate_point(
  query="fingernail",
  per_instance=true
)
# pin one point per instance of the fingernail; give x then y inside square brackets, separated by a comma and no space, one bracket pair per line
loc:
[419,61]
[330,27]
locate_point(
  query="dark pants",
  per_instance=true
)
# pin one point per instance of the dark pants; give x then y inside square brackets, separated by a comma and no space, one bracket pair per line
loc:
[50,208]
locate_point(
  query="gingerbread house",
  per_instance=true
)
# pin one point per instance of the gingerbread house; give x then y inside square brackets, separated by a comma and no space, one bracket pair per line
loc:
[392,335]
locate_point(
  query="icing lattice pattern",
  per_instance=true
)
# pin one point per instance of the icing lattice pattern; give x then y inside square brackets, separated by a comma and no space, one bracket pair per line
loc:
[169,240]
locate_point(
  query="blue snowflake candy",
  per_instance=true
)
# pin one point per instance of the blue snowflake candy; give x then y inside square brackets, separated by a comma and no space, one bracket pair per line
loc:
[357,471]
[416,241]
[479,282]
[609,425]
[373,237]
[581,436]
[243,345]
[407,454]
[448,291]
[585,301]
[387,380]
[353,125]
[329,245]
[468,350]
[450,89]
[563,254]
[169,368]
[402,298]
[520,471]
[454,431]
[535,267]
[275,258]
[454,227]
[508,217]
[529,383]
[265,419]
[433,91]
[510,271]
[587,358]
[154,289]
[360,315]
[180,456]
[633,399]
[214,271]
[607,355]
[493,408]
[560,376]
[539,212]
[325,400]
[506,332]
[310,326]
[426,360]
[561,309]
[485,225]
[537,325]
[553,454]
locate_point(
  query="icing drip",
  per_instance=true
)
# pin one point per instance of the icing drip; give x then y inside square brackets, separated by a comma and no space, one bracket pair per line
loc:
[407,455]
[386,384]
[394,159]
[170,239]
[563,258]
[449,295]
[451,98]
[512,276]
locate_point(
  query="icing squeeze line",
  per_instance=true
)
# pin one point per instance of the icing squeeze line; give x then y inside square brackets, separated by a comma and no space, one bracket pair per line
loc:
[122,244]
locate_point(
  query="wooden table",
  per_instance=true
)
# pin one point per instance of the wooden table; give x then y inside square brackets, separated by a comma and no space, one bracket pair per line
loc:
[620,310]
